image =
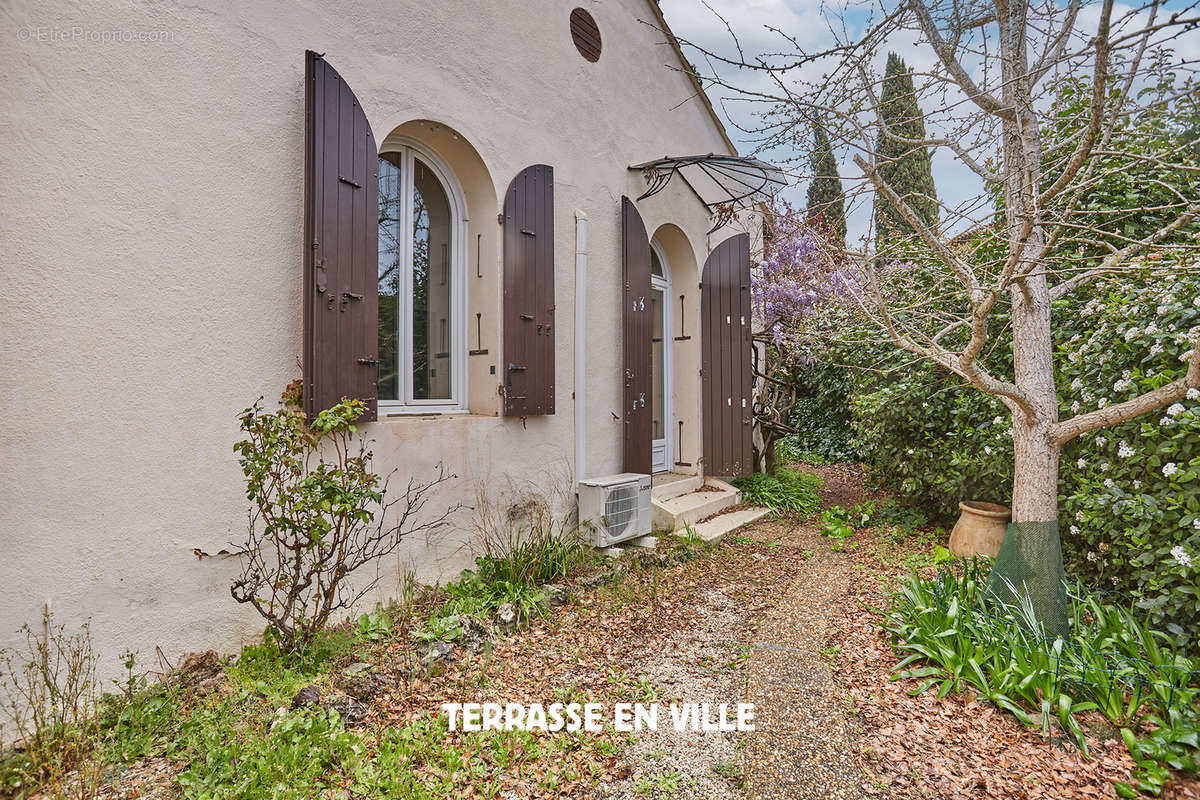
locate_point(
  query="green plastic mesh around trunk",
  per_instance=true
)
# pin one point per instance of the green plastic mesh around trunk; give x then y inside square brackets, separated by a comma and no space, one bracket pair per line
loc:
[1029,572]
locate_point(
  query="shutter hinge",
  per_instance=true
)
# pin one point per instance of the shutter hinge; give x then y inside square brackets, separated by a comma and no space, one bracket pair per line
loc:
[349,182]
[500,218]
[319,274]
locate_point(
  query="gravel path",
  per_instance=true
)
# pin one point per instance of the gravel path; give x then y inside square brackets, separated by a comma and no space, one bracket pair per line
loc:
[700,666]
[801,746]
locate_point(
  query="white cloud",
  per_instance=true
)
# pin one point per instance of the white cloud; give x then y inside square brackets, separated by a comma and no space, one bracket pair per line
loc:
[757,25]
[753,21]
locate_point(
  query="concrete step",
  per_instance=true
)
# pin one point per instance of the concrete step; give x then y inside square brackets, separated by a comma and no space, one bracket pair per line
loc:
[674,513]
[716,528]
[676,486]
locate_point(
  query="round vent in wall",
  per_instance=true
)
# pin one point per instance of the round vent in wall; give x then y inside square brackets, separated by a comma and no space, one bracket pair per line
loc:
[586,34]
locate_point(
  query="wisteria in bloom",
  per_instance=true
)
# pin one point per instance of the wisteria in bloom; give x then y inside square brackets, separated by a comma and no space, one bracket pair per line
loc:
[797,274]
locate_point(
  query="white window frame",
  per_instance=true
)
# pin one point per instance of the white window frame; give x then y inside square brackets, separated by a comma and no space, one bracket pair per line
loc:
[663,283]
[409,151]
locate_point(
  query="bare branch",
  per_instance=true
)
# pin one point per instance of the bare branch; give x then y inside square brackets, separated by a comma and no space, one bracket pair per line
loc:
[1096,111]
[1174,391]
[954,67]
[1116,261]
[960,268]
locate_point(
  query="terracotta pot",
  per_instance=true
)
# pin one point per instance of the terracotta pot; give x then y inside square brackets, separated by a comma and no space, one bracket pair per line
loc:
[980,529]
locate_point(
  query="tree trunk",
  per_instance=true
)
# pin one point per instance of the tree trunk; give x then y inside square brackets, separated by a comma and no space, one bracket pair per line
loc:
[1035,473]
[1035,467]
[770,459]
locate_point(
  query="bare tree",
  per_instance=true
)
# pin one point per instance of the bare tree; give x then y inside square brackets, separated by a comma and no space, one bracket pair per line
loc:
[993,75]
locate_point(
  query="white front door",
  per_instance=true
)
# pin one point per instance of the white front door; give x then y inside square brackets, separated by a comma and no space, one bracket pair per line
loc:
[662,451]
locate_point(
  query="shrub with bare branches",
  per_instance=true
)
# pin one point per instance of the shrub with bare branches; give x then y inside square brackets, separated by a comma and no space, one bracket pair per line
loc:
[318,514]
[48,696]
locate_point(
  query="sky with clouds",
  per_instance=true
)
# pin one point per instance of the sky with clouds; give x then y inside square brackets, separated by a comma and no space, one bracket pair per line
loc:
[808,21]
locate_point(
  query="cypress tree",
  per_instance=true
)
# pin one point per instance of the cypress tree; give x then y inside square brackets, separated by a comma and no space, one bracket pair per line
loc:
[904,167]
[826,203]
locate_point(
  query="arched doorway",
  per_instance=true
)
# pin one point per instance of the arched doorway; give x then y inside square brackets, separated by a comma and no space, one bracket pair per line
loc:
[662,447]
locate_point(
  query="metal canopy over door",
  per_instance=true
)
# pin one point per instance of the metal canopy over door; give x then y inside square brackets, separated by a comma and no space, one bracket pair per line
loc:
[726,379]
[341,245]
[636,333]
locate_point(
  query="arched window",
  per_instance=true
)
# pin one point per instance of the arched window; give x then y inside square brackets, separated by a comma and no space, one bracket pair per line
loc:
[421,282]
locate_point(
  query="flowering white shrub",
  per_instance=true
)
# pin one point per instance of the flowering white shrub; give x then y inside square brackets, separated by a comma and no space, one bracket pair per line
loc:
[1142,514]
[1131,492]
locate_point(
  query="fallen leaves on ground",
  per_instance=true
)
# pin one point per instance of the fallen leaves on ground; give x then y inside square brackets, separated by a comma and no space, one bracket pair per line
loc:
[957,746]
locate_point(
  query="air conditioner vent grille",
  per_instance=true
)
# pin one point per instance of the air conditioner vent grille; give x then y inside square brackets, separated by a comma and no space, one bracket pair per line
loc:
[616,507]
[620,507]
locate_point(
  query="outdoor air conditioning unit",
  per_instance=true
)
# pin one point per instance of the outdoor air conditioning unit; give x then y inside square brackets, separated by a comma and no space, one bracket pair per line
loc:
[615,508]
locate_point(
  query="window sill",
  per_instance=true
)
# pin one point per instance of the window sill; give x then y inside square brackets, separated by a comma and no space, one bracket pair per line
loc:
[457,413]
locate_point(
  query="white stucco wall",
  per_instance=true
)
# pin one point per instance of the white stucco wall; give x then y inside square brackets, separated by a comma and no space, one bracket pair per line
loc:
[152,272]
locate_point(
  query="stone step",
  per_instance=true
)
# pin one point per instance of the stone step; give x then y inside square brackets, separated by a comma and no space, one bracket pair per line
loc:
[716,528]
[674,513]
[676,487]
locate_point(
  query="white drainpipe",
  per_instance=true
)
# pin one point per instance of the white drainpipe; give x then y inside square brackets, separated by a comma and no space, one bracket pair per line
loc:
[581,231]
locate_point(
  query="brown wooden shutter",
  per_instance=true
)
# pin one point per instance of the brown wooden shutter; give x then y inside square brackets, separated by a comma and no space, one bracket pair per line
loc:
[636,332]
[529,293]
[726,378]
[341,221]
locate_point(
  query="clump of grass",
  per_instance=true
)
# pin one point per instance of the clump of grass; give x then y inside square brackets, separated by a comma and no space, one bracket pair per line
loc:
[953,632]
[730,770]
[523,544]
[788,491]
[526,536]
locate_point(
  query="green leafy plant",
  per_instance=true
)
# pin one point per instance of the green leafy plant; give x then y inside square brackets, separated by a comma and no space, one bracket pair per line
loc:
[952,633]
[306,751]
[836,523]
[1174,742]
[479,594]
[788,491]
[439,628]
[373,626]
[318,513]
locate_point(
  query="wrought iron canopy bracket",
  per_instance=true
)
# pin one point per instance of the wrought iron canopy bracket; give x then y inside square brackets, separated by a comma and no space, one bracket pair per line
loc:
[730,181]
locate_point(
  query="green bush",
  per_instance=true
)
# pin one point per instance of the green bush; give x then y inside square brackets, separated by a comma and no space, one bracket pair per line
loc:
[951,634]
[318,513]
[933,442]
[1130,495]
[821,417]
[786,492]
